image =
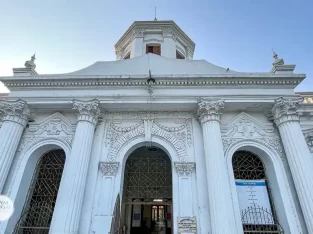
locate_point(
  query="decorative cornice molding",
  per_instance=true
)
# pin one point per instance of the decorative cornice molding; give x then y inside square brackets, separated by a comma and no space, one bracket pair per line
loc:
[109,168]
[209,110]
[286,110]
[138,32]
[244,80]
[87,110]
[15,111]
[185,168]
[140,115]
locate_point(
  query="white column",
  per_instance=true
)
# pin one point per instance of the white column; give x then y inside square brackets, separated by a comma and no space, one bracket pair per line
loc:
[69,202]
[202,185]
[220,201]
[16,114]
[298,154]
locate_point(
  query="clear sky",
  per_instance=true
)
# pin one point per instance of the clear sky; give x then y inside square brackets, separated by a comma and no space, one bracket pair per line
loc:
[239,34]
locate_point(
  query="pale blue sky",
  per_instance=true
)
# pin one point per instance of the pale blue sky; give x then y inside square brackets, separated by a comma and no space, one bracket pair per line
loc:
[239,34]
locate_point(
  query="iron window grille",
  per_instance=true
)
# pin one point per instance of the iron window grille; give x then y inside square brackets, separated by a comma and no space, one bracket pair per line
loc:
[249,166]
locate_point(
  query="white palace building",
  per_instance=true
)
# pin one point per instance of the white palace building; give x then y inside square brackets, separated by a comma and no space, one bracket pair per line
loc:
[156,142]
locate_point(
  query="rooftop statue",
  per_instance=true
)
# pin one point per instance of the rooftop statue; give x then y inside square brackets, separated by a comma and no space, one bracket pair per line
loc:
[31,63]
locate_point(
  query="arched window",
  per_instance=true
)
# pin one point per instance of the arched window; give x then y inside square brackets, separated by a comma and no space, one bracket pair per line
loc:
[257,208]
[39,205]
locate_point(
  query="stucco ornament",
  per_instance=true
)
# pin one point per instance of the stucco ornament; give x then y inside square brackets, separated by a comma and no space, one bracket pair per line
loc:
[308,134]
[31,63]
[16,111]
[109,168]
[285,110]
[87,110]
[209,110]
[138,33]
[185,168]
[55,126]
[246,128]
[277,61]
[128,126]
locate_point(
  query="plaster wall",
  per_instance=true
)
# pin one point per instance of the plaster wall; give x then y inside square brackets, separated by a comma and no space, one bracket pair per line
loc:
[102,190]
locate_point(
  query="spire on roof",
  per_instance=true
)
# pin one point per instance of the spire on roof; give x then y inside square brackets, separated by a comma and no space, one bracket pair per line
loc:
[277,60]
[155,18]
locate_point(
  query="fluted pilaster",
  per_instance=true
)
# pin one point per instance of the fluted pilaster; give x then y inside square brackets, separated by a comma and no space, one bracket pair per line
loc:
[15,117]
[298,154]
[220,201]
[69,203]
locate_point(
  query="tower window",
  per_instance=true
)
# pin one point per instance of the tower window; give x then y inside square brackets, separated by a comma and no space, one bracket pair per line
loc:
[154,49]
[127,56]
[179,55]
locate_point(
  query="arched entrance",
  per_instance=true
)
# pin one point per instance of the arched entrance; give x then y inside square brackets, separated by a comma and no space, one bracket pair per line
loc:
[39,205]
[147,192]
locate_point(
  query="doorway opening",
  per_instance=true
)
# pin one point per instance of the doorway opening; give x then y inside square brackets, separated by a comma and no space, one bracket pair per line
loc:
[147,192]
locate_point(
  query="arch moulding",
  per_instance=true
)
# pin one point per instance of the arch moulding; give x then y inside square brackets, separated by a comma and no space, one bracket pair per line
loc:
[276,172]
[22,170]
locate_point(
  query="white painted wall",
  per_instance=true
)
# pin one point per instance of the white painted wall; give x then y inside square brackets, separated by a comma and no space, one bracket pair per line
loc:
[101,191]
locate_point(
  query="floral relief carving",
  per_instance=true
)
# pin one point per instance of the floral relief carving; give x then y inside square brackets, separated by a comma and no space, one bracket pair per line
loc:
[56,126]
[245,127]
[117,135]
[286,110]
[184,168]
[16,111]
[109,168]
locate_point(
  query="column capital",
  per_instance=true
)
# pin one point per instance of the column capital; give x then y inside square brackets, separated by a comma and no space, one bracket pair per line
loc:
[286,110]
[209,110]
[15,111]
[185,168]
[109,168]
[87,110]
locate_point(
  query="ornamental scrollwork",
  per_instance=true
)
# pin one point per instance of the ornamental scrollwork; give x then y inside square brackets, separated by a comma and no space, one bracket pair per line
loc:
[245,127]
[209,110]
[87,110]
[55,126]
[184,168]
[286,110]
[16,111]
[109,168]
[117,136]
[119,131]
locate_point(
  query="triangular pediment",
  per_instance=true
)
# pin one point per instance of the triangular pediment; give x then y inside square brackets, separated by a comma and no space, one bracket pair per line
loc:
[244,125]
[56,124]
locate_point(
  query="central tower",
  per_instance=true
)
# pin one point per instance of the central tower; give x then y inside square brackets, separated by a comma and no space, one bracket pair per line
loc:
[163,38]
